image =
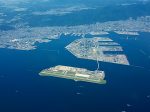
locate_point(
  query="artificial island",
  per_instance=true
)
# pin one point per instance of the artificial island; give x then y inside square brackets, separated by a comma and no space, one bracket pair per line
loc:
[98,49]
[77,74]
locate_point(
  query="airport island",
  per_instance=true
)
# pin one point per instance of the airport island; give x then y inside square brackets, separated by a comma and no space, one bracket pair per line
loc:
[77,74]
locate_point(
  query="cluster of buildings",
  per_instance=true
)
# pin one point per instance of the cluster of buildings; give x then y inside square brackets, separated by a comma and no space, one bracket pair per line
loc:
[28,36]
[98,48]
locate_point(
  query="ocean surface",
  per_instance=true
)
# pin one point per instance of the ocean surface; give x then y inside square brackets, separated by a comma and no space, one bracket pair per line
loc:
[23,90]
[127,88]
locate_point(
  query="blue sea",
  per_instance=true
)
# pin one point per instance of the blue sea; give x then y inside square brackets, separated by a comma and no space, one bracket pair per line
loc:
[22,89]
